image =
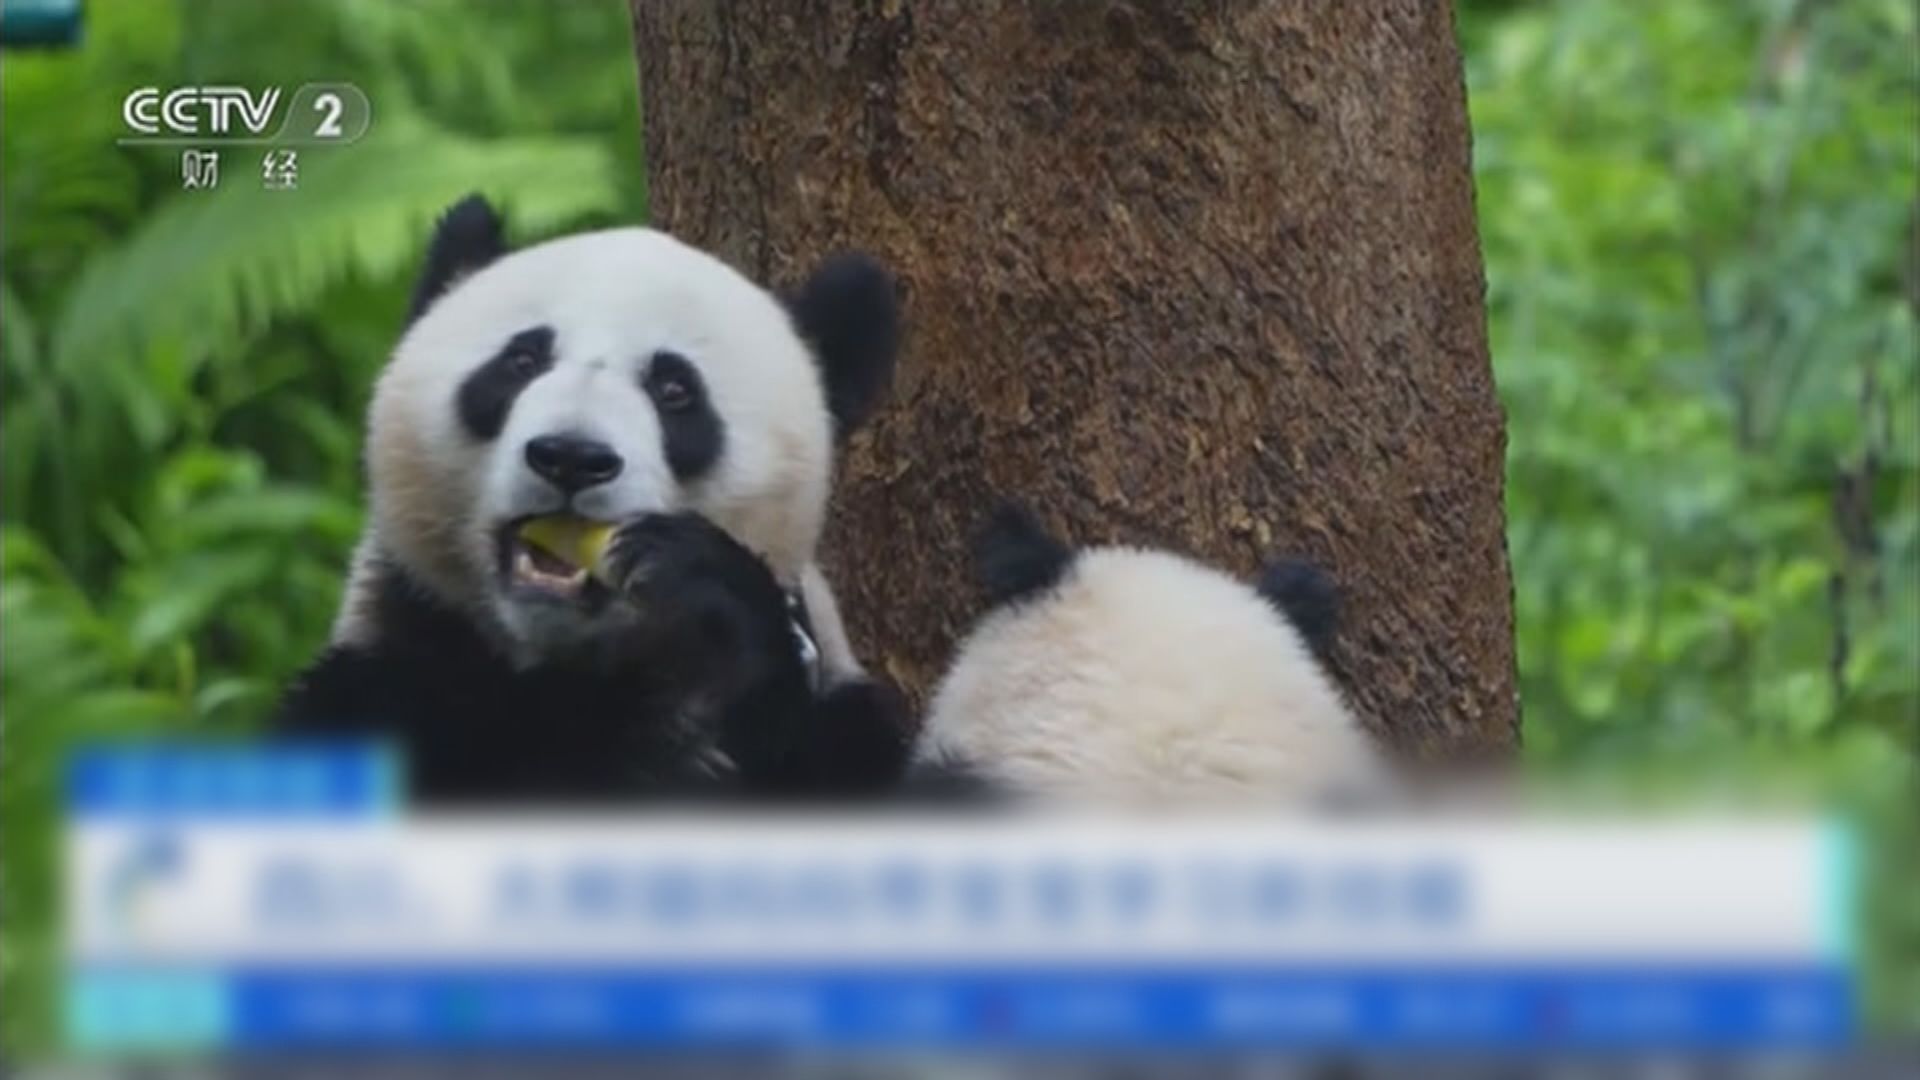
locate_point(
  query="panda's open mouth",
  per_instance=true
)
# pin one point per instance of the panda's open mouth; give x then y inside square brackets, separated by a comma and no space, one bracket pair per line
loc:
[532,570]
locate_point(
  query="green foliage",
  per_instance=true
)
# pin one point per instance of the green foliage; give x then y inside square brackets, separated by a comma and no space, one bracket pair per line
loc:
[182,373]
[1697,219]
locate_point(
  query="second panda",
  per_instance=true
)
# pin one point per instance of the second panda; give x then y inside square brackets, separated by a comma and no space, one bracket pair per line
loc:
[1129,678]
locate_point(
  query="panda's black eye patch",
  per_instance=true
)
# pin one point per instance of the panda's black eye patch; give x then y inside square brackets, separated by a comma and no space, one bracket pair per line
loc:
[691,432]
[488,394]
[525,365]
[673,395]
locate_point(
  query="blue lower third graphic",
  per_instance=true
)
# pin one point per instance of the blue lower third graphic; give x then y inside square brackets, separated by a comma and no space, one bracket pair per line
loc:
[1165,1008]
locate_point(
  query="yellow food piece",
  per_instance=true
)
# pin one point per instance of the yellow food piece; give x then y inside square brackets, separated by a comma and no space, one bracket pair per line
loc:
[579,541]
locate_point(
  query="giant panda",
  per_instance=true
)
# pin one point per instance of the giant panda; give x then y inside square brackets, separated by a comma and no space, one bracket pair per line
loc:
[623,377]
[1129,678]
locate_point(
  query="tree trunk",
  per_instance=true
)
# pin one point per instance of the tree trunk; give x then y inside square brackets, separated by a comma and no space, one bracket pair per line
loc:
[1195,275]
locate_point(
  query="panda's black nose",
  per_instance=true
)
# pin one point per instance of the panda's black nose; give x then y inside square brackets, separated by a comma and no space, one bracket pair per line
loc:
[572,462]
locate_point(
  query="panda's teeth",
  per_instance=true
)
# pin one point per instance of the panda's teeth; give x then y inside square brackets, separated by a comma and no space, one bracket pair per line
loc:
[528,571]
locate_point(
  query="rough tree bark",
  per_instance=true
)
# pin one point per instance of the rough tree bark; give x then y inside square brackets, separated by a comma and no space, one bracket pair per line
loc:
[1193,274]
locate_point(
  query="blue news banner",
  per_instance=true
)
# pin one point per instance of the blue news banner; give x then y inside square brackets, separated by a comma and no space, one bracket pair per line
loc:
[269,897]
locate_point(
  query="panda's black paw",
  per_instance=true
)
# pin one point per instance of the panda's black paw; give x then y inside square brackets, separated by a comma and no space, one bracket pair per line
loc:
[852,744]
[866,731]
[650,557]
[683,579]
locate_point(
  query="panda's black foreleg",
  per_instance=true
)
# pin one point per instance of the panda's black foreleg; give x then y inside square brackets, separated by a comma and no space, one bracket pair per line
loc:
[705,609]
[713,609]
[944,781]
[855,743]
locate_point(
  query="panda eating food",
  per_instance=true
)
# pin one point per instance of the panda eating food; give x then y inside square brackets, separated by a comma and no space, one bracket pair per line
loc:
[1129,678]
[598,469]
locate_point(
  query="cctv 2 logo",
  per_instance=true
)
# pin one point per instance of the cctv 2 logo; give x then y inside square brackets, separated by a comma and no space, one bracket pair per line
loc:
[317,113]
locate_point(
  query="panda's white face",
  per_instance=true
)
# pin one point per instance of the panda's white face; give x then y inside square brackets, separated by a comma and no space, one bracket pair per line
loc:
[605,375]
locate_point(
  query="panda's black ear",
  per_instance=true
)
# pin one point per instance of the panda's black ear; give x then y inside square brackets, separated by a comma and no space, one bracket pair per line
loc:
[1307,596]
[849,314]
[1014,557]
[467,238]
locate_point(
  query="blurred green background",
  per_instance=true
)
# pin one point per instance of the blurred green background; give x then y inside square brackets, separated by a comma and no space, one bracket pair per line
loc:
[1699,227]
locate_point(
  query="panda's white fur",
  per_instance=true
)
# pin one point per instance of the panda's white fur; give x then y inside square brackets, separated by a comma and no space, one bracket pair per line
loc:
[438,495]
[1140,678]
[837,661]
